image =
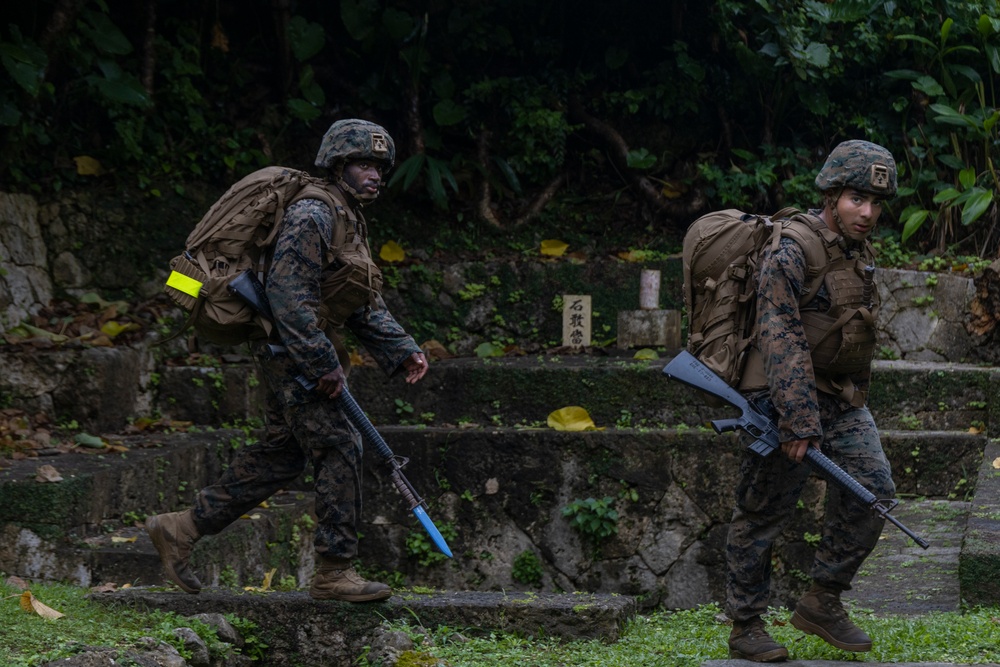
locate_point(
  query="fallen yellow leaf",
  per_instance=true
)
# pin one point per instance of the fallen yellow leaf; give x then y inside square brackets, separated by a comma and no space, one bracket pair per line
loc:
[553,247]
[121,540]
[112,328]
[571,418]
[265,585]
[646,353]
[996,463]
[30,603]
[88,166]
[392,252]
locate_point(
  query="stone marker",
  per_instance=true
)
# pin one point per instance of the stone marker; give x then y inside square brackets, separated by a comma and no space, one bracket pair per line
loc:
[650,325]
[576,320]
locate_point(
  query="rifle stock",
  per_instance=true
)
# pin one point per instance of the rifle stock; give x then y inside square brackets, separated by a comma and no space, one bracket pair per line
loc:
[687,369]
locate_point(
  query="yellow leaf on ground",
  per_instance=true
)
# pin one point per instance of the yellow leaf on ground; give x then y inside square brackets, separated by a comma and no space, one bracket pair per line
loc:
[122,540]
[112,328]
[553,247]
[392,252]
[88,166]
[30,603]
[646,353]
[268,577]
[996,463]
[571,418]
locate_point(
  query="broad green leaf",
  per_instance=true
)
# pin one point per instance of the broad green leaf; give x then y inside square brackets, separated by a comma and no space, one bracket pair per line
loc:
[508,173]
[929,86]
[818,55]
[307,38]
[26,64]
[87,440]
[946,30]
[399,24]
[967,177]
[946,195]
[359,17]
[104,34]
[913,223]
[447,112]
[615,57]
[407,172]
[302,109]
[978,203]
[640,158]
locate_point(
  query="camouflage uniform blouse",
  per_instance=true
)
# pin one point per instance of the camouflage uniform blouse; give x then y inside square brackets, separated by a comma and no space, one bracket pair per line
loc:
[783,346]
[293,287]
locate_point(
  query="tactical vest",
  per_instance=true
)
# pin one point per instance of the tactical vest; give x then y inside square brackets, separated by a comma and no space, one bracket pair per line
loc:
[350,278]
[841,338]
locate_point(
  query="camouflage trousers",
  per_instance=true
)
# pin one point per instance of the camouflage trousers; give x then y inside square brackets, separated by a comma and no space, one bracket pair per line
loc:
[301,427]
[766,497]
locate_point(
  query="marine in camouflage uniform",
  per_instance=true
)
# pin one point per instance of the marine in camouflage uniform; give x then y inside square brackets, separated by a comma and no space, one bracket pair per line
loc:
[854,179]
[305,426]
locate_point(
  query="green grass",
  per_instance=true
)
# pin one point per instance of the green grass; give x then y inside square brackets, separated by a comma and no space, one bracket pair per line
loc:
[660,639]
[27,639]
[688,638]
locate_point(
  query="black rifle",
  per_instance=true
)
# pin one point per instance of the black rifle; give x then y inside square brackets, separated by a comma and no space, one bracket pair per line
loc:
[248,287]
[686,368]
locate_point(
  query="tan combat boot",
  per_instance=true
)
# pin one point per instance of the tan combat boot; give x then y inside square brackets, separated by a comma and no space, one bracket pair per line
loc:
[821,613]
[174,536]
[335,579]
[749,640]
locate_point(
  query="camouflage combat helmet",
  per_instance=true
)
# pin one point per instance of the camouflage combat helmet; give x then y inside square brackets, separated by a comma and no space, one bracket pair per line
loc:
[355,139]
[861,165]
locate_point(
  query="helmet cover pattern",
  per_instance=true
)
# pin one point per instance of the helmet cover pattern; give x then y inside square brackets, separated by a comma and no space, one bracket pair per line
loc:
[861,165]
[356,139]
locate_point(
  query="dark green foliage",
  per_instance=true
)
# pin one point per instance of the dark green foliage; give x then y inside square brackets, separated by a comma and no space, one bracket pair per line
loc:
[732,103]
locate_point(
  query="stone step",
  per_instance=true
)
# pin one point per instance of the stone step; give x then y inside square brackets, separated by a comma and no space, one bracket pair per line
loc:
[979,566]
[302,631]
[615,390]
[500,494]
[900,577]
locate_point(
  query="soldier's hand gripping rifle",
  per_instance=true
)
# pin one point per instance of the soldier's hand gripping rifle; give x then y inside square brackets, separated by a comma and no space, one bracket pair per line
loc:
[247,287]
[686,368]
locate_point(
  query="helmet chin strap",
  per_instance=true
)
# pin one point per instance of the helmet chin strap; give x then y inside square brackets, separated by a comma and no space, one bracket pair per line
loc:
[362,198]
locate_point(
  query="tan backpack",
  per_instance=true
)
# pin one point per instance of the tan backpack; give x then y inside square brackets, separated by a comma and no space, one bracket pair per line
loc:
[721,251]
[237,233]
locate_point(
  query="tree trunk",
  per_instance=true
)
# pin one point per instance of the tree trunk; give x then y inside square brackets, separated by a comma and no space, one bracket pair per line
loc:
[148,73]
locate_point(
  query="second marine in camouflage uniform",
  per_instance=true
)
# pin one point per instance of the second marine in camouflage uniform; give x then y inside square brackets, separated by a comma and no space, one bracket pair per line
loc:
[818,401]
[321,277]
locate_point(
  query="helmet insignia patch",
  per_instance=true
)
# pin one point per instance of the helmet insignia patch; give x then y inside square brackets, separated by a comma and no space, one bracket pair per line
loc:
[879,177]
[379,144]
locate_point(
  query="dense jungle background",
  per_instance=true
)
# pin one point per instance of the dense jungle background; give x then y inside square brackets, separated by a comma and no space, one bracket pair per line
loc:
[609,126]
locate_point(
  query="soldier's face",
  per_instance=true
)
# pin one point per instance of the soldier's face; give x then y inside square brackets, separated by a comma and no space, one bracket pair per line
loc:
[859,211]
[365,176]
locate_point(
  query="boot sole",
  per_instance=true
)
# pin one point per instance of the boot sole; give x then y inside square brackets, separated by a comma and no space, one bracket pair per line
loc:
[155,532]
[371,597]
[811,628]
[775,655]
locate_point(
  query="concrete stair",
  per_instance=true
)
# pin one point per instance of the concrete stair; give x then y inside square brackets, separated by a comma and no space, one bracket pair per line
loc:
[493,472]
